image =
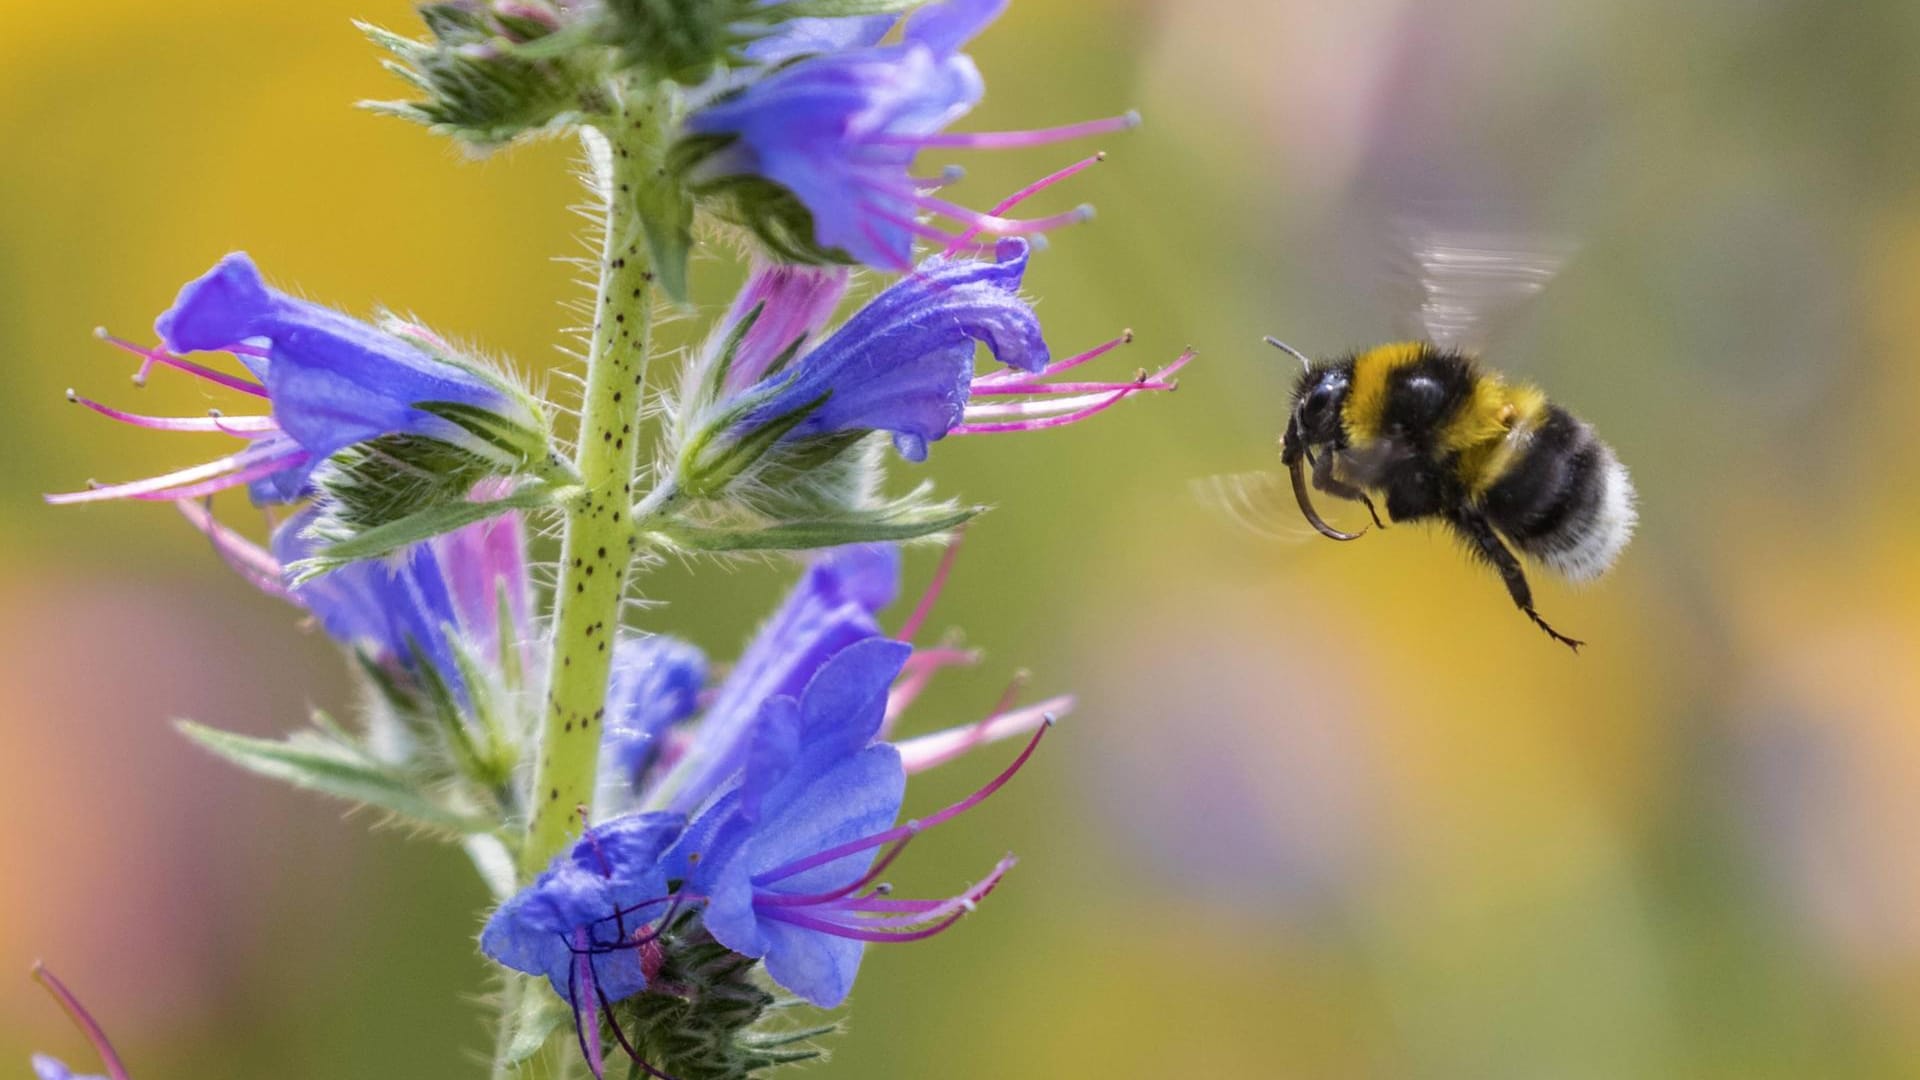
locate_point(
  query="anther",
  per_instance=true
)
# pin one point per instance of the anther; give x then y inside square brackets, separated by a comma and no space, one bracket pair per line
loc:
[72,397]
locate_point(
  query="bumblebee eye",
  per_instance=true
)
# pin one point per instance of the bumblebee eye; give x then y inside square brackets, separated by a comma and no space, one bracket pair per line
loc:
[1320,400]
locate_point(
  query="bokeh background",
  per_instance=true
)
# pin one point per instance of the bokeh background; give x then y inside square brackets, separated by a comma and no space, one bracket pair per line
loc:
[1326,810]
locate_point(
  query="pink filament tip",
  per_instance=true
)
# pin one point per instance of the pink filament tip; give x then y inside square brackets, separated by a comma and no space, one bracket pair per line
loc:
[997,381]
[1026,193]
[82,1020]
[1011,140]
[157,355]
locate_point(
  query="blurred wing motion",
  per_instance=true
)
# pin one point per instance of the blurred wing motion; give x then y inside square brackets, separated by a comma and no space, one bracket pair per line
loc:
[1258,502]
[1458,286]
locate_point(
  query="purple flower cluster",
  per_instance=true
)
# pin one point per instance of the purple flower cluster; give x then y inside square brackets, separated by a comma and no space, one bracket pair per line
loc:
[329,381]
[412,613]
[840,128]
[772,811]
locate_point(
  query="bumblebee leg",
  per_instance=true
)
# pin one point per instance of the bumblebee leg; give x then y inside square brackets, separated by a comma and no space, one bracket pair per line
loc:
[1324,480]
[1486,543]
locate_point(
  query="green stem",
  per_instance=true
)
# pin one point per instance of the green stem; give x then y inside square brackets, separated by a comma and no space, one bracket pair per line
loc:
[600,543]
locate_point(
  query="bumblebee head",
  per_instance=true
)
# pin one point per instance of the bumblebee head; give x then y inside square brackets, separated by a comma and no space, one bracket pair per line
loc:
[1317,398]
[1316,405]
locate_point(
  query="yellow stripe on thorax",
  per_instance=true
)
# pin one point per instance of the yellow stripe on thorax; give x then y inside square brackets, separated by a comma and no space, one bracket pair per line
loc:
[1367,397]
[1492,428]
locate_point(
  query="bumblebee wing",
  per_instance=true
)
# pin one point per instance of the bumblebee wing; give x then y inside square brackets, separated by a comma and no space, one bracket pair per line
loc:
[1458,285]
[1259,502]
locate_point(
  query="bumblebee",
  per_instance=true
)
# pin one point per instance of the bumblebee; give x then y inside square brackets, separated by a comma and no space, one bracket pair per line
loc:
[1425,426]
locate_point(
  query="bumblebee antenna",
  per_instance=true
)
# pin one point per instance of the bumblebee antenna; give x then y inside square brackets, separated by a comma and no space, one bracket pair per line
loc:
[1290,351]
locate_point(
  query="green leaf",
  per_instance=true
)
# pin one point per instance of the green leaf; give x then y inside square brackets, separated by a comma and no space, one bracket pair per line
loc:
[316,763]
[425,524]
[801,535]
[669,240]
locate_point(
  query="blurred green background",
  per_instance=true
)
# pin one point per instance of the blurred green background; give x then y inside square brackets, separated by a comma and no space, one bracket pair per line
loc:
[1325,810]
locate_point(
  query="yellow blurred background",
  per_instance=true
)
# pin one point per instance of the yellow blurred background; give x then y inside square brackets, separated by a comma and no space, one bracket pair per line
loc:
[1325,810]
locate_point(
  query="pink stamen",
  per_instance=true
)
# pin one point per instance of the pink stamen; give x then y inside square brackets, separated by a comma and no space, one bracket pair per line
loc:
[586,1009]
[934,588]
[1082,407]
[1015,375]
[247,558]
[924,752]
[265,467]
[1044,423]
[914,677]
[880,243]
[917,228]
[948,913]
[1010,140]
[1029,192]
[868,843]
[82,1020]
[841,930]
[1000,226]
[240,426]
[216,475]
[872,875]
[949,175]
[1067,388]
[941,909]
[157,355]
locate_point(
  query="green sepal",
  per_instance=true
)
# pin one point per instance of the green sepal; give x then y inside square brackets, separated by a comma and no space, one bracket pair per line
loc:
[485,78]
[706,470]
[773,214]
[890,524]
[516,445]
[541,1017]
[682,40]
[326,764]
[709,1015]
[346,545]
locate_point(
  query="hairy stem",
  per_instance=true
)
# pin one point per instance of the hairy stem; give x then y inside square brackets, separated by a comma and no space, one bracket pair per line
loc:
[600,543]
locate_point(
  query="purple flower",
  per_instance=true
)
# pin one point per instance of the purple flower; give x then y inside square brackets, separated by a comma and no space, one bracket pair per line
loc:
[415,607]
[47,1068]
[329,381]
[833,606]
[797,796]
[840,132]
[786,858]
[584,922]
[904,363]
[656,684]
[808,35]
[792,304]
